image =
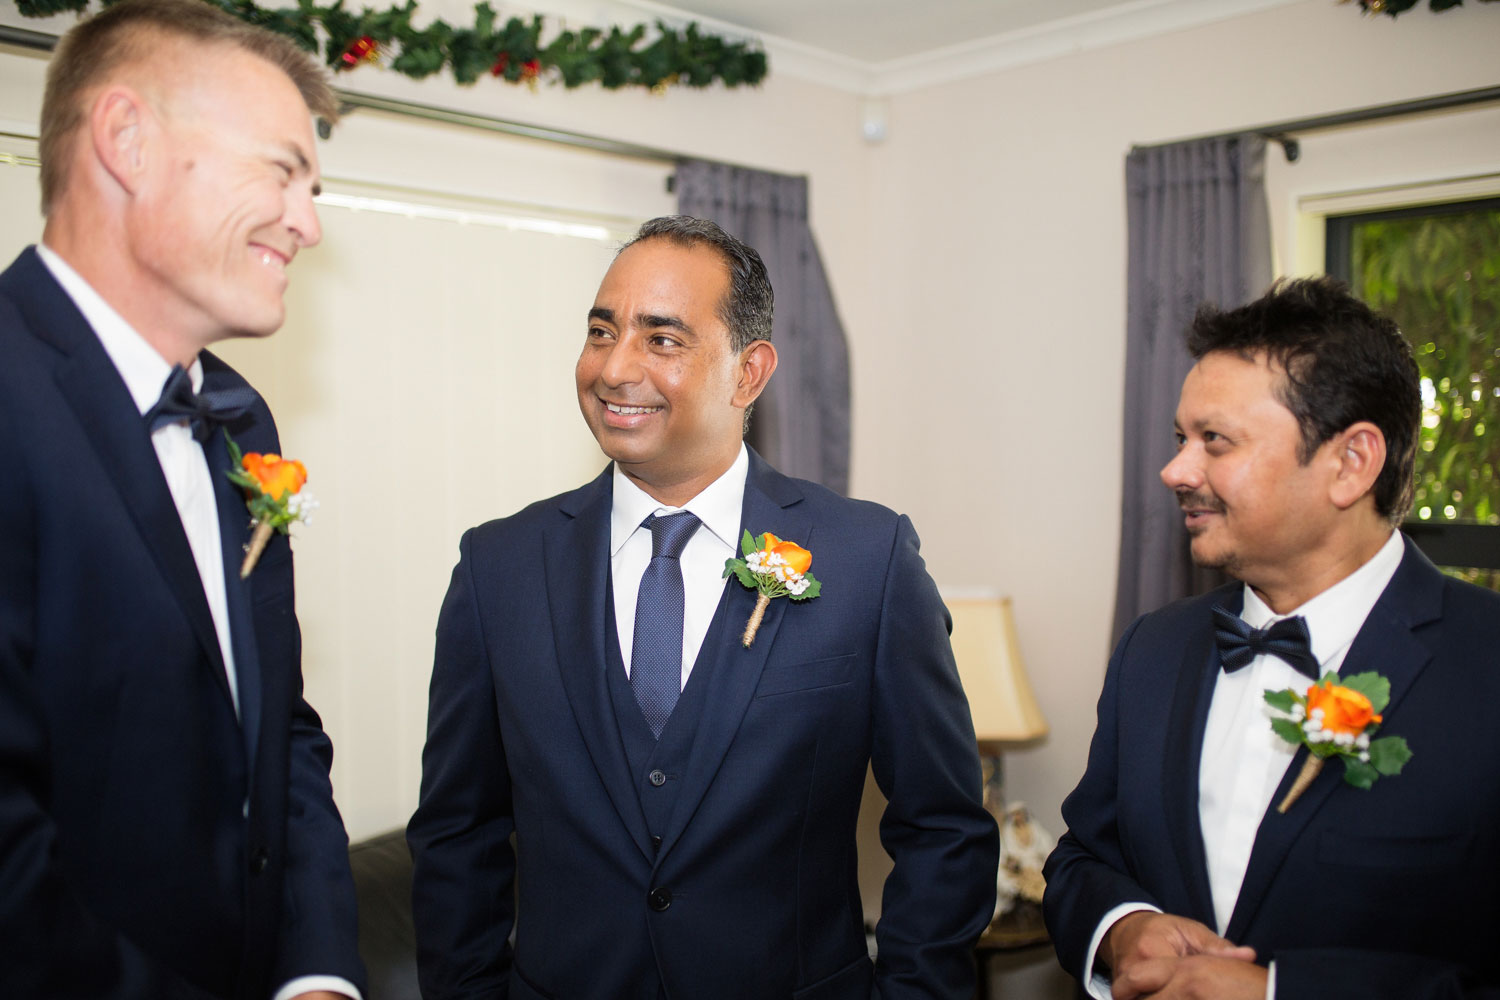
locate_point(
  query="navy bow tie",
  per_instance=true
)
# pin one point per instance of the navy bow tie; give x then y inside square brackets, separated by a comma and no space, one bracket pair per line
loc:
[203,411]
[1239,643]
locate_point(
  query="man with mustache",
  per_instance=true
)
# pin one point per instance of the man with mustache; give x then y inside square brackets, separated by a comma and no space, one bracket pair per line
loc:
[683,794]
[167,828]
[1181,875]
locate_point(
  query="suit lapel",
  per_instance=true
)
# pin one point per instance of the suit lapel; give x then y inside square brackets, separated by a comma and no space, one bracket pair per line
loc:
[97,395]
[1386,643]
[770,504]
[234,532]
[1196,678]
[576,554]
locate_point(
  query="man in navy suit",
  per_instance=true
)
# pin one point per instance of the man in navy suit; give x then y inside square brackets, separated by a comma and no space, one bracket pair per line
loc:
[1179,876]
[683,802]
[167,828]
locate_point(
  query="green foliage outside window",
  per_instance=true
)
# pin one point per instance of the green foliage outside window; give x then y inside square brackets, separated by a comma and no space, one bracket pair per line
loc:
[1438,276]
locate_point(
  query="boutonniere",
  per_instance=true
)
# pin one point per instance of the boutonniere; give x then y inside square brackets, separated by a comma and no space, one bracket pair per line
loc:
[772,568]
[1338,720]
[273,495]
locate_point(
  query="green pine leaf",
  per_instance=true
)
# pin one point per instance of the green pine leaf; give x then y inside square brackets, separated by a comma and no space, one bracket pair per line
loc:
[1288,730]
[814,588]
[1282,701]
[1372,686]
[1358,773]
[747,543]
[1389,754]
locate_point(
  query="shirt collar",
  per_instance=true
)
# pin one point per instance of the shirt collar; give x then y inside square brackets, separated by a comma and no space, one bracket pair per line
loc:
[1335,616]
[143,369]
[718,506]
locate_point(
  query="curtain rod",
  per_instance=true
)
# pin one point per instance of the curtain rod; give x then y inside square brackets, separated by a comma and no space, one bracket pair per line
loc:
[348,99]
[1284,132]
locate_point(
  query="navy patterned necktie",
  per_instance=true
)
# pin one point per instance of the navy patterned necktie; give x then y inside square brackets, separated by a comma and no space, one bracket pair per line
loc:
[656,652]
[1239,643]
[203,411]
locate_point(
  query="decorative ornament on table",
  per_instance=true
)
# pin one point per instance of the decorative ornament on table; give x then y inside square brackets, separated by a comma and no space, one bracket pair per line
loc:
[1338,718]
[772,568]
[273,495]
[1024,847]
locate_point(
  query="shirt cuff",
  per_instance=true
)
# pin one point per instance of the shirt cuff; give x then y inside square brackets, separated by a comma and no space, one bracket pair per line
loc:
[1097,984]
[1271,981]
[307,984]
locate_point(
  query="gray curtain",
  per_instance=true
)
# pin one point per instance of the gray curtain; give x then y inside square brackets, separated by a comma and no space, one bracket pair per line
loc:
[1199,232]
[801,422]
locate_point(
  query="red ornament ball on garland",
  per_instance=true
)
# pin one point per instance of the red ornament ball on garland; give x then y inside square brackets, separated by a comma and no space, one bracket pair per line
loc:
[500,63]
[362,49]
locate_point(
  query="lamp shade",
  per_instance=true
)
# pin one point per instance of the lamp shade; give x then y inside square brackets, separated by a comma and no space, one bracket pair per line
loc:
[992,672]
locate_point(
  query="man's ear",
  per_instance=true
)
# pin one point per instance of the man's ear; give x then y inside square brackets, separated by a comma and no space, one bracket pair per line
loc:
[117,133]
[1359,454]
[757,362]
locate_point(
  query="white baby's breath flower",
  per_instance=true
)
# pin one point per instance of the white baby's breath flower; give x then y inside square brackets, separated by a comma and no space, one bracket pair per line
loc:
[797,586]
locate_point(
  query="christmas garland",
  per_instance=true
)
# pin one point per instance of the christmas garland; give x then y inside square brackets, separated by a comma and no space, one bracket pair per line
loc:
[514,50]
[1394,7]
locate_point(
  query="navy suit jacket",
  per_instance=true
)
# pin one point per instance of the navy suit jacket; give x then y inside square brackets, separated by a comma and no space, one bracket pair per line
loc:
[150,846]
[1392,892]
[759,853]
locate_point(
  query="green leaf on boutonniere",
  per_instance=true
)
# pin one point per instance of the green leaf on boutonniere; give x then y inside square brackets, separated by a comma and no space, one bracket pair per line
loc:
[1283,701]
[747,545]
[814,588]
[1358,773]
[1372,686]
[1288,729]
[1389,754]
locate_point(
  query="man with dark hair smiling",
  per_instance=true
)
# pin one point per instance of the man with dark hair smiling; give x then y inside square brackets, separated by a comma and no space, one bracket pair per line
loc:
[167,827]
[683,789]
[1204,856]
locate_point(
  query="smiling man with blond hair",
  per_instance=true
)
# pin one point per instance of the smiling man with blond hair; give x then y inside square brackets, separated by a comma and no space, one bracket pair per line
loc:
[167,827]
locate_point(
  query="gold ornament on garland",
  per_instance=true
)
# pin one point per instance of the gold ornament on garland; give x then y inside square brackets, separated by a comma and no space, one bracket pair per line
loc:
[513,50]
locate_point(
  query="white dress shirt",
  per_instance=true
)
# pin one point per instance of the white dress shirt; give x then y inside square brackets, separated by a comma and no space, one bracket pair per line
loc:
[719,507]
[189,480]
[1243,760]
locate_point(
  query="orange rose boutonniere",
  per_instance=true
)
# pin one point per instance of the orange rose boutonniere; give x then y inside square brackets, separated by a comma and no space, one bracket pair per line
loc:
[1338,718]
[772,568]
[273,494]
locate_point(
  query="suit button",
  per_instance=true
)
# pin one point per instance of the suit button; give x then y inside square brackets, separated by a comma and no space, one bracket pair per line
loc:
[656,843]
[659,898]
[259,858]
[657,778]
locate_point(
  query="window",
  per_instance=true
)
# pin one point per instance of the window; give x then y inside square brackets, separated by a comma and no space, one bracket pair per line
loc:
[1435,269]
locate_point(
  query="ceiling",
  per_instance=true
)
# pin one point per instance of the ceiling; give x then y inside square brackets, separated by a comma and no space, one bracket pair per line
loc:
[877,31]
[878,47]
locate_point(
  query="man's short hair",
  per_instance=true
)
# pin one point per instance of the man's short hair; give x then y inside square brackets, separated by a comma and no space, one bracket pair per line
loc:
[747,309]
[128,32]
[1343,363]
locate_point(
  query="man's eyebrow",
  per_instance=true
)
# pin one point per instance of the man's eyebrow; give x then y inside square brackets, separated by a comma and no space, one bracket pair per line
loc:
[651,321]
[599,312]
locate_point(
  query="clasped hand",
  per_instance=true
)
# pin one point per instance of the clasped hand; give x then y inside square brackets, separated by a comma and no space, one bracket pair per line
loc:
[1159,955]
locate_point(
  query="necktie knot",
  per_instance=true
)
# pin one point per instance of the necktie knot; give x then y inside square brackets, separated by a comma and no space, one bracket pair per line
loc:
[670,533]
[1288,639]
[202,410]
